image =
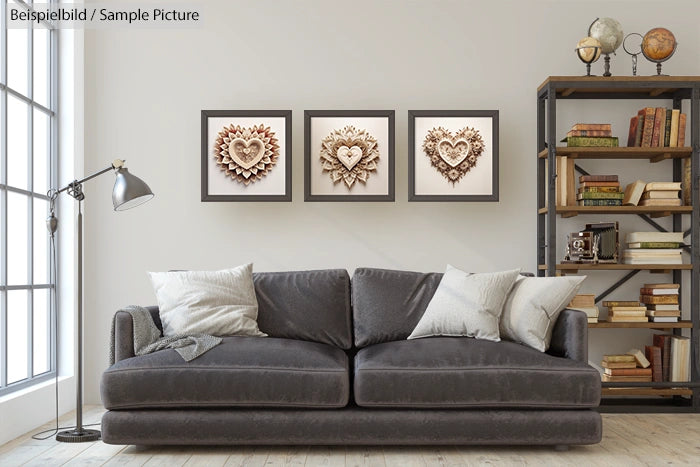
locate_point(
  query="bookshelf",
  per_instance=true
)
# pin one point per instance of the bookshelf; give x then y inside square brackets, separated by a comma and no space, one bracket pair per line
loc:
[619,397]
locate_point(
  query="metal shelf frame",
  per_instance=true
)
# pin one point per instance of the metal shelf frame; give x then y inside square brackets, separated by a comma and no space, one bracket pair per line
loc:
[677,89]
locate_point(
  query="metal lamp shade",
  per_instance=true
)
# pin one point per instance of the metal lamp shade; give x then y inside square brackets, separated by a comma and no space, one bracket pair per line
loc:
[129,191]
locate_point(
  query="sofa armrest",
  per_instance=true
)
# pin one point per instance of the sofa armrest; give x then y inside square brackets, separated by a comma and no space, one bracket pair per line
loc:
[570,336]
[124,333]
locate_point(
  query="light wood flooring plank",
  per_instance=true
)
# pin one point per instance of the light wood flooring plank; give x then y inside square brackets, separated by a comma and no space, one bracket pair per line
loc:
[170,457]
[247,457]
[325,456]
[21,454]
[131,456]
[215,456]
[59,454]
[368,456]
[403,456]
[97,454]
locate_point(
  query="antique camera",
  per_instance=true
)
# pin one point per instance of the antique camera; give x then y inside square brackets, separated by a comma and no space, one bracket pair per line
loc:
[597,243]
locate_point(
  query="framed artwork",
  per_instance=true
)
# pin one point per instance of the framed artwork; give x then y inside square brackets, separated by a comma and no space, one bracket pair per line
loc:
[453,155]
[349,155]
[246,155]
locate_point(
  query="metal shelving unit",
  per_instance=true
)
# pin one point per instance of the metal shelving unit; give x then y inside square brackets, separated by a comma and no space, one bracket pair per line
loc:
[668,397]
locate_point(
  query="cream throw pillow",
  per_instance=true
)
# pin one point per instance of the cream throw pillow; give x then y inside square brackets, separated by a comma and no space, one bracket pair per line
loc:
[220,303]
[533,307]
[466,305]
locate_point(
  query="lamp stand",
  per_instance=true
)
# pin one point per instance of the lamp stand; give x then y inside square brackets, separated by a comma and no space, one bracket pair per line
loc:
[79,434]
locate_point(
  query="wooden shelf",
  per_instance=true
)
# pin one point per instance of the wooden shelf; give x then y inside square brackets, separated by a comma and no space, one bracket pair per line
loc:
[618,267]
[653,154]
[647,391]
[653,211]
[649,325]
[587,87]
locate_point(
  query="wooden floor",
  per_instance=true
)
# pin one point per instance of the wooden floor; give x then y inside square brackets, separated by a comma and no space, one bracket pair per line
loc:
[653,440]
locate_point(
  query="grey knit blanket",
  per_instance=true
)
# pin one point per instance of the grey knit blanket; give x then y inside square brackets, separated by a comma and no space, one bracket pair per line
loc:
[147,337]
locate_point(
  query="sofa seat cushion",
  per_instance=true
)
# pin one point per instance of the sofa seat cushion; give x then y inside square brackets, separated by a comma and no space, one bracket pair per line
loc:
[461,372]
[241,371]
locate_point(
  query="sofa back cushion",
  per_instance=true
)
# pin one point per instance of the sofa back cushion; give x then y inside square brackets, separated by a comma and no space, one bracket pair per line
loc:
[387,304]
[306,305]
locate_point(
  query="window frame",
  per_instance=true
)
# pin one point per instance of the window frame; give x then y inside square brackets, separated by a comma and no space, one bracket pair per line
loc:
[52,147]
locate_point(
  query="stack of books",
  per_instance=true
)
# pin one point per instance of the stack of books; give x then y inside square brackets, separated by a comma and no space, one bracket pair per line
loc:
[629,367]
[669,357]
[591,135]
[599,190]
[661,194]
[661,301]
[655,127]
[626,312]
[585,303]
[653,248]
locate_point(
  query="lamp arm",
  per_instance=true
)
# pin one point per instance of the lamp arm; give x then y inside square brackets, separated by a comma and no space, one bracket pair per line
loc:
[117,164]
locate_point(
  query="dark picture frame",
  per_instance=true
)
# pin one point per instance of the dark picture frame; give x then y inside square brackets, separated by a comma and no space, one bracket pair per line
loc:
[218,189]
[313,169]
[421,173]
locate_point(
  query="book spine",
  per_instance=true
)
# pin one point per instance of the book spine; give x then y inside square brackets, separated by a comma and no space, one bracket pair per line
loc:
[634,122]
[600,195]
[654,245]
[610,303]
[653,354]
[687,183]
[667,129]
[600,202]
[592,126]
[681,130]
[599,189]
[645,291]
[589,133]
[673,141]
[597,178]
[648,127]
[592,141]
[659,299]
[599,184]
[658,118]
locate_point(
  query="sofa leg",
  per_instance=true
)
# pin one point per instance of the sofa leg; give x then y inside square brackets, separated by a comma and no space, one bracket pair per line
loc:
[561,447]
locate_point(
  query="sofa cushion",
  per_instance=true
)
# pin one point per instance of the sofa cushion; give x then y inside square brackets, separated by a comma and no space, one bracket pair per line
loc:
[460,372]
[387,304]
[241,371]
[306,305]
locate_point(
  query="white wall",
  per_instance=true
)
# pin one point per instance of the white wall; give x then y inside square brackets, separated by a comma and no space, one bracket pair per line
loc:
[145,89]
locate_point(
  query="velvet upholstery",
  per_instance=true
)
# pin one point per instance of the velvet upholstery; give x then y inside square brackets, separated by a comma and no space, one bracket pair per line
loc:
[456,372]
[306,305]
[241,371]
[352,426]
[570,336]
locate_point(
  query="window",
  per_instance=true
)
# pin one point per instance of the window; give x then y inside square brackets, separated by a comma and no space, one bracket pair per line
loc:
[27,171]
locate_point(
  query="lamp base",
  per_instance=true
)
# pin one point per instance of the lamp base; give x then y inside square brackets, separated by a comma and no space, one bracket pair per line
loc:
[78,436]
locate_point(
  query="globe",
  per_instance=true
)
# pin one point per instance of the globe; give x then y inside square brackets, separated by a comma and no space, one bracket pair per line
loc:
[658,44]
[588,49]
[609,32]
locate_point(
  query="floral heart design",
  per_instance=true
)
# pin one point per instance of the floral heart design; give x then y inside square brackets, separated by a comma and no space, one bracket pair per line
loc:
[453,155]
[349,156]
[453,152]
[246,153]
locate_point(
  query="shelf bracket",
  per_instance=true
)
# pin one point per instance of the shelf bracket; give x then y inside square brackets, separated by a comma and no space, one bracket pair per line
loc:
[660,157]
[617,284]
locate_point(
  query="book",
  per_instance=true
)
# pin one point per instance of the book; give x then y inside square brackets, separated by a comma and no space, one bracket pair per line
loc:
[599,189]
[640,128]
[633,193]
[681,130]
[626,379]
[592,319]
[592,141]
[663,341]
[677,259]
[663,319]
[589,133]
[591,311]
[687,182]
[652,251]
[582,300]
[618,358]
[659,123]
[639,357]
[660,202]
[667,129]
[632,135]
[673,140]
[660,194]
[627,319]
[561,180]
[653,354]
[680,359]
[676,237]
[653,245]
[662,186]
[599,195]
[617,365]
[627,371]
[598,178]
[652,291]
[663,285]
[592,126]
[600,202]
[659,299]
[664,313]
[627,309]
[609,184]
[648,126]
[610,303]
[663,308]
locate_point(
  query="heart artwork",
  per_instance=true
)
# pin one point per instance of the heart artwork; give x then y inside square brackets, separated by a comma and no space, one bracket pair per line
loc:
[453,155]
[245,154]
[349,157]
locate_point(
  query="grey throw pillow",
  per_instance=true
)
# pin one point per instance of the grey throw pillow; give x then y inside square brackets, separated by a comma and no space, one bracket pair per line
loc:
[466,305]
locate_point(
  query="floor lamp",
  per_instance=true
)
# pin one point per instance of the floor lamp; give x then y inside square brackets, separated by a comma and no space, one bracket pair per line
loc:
[129,191]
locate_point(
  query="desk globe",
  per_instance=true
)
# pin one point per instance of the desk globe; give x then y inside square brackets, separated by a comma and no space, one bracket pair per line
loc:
[658,45]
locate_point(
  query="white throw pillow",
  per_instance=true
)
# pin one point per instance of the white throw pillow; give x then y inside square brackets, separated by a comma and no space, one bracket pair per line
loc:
[533,307]
[220,303]
[466,305]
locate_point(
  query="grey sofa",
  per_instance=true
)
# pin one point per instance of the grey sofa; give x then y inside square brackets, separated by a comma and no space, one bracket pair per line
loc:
[337,369]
